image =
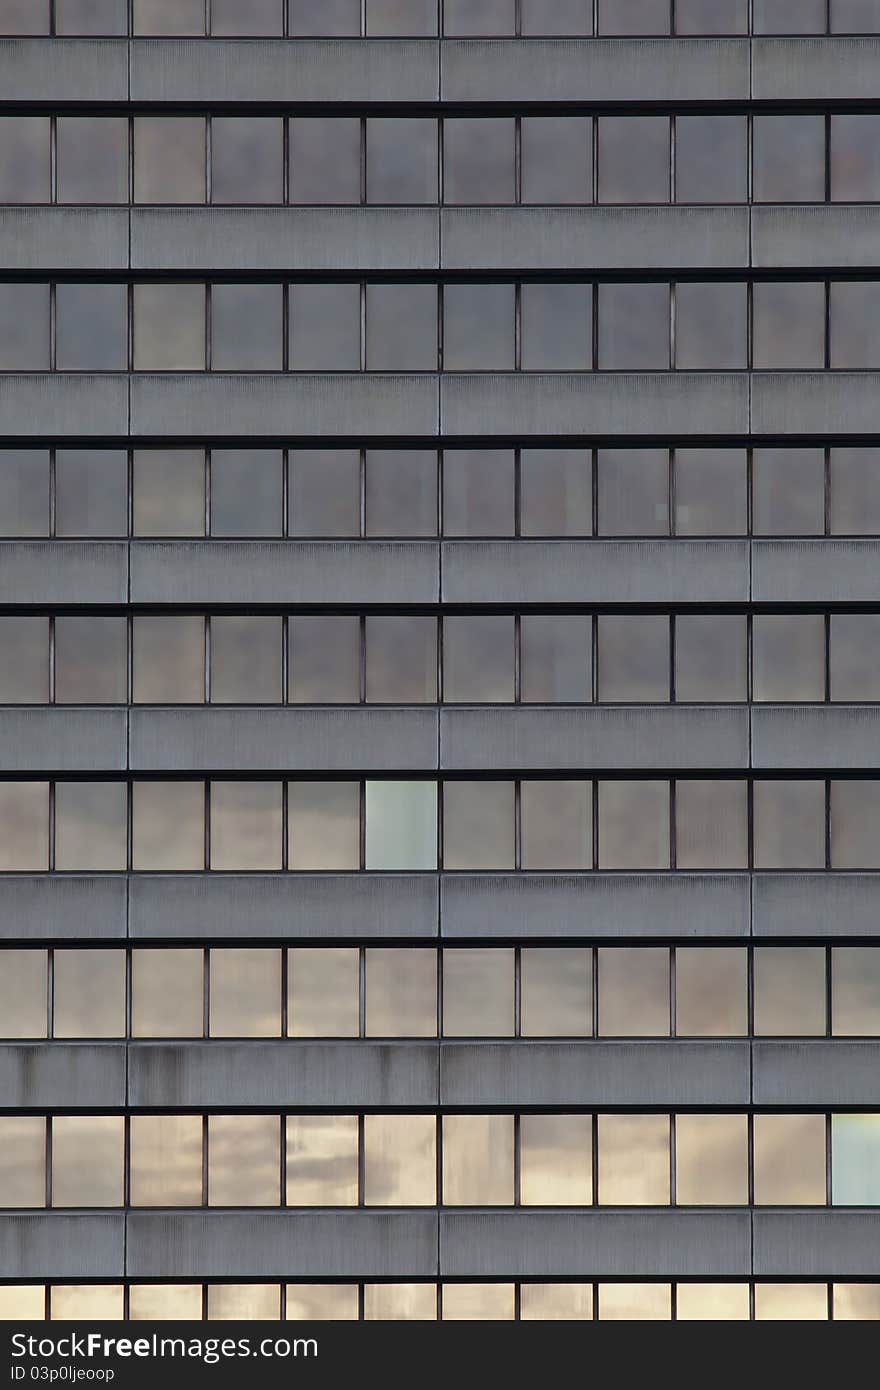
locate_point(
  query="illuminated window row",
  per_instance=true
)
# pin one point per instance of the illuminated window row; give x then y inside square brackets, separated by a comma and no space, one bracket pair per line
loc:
[454,1160]
[412,493]
[533,658]
[693,823]
[422,992]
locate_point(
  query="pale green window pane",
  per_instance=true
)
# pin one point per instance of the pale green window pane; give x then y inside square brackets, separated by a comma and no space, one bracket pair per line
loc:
[855,1160]
[401,830]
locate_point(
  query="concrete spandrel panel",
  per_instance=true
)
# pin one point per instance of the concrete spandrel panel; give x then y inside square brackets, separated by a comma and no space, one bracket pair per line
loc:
[45,405]
[44,1076]
[304,70]
[51,571]
[291,1072]
[283,572]
[330,406]
[811,403]
[51,739]
[660,1072]
[815,69]
[595,238]
[340,1245]
[803,237]
[595,70]
[284,239]
[815,571]
[594,571]
[340,907]
[62,69]
[55,1245]
[595,404]
[810,1244]
[816,1072]
[72,907]
[595,737]
[595,1244]
[829,736]
[816,905]
[60,238]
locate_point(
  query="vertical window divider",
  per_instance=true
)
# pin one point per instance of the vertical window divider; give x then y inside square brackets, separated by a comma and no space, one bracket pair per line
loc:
[517,824]
[53,158]
[595,786]
[827,491]
[673,148]
[282,1159]
[362,991]
[827,784]
[517,326]
[750,1161]
[209,489]
[672,689]
[363,325]
[285,459]
[285,162]
[50,992]
[517,147]
[594,1137]
[361,1159]
[208,345]
[517,658]
[829,1162]
[207,787]
[673,521]
[594,306]
[51,655]
[206,992]
[517,991]
[439,1148]
[673,1192]
[51,826]
[53,510]
[128,990]
[126,1160]
[672,307]
[673,992]
[440,993]
[517,492]
[53,326]
[829,992]
[206,1191]
[285,680]
[672,825]
[48,1196]
[362,658]
[206,647]
[827,655]
[285,826]
[362,496]
[285,968]
[594,976]
[828,140]
[285,325]
[517,1162]
[209,155]
[594,135]
[362,794]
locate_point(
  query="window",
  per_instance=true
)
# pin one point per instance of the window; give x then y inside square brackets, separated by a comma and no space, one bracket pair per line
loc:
[23,984]
[788,653]
[633,156]
[711,159]
[401,825]
[711,992]
[789,825]
[633,825]
[711,16]
[712,1303]
[556,659]
[556,1160]
[855,162]
[556,492]
[711,825]
[246,328]
[246,492]
[711,492]
[789,16]
[855,825]
[478,659]
[400,1160]
[91,327]
[478,993]
[325,657]
[168,492]
[400,492]
[166,1161]
[244,1160]
[633,658]
[322,1302]
[463,18]
[408,18]
[24,492]
[478,492]
[791,1303]
[90,826]
[711,1160]
[402,160]
[401,328]
[855,991]
[324,17]
[633,1160]
[635,1302]
[478,328]
[168,825]
[24,157]
[24,17]
[557,159]
[557,825]
[401,660]
[401,993]
[634,992]
[789,1160]
[231,1302]
[322,1160]
[70,1302]
[855,1160]
[556,992]
[22,1161]
[855,341]
[245,826]
[325,497]
[322,992]
[92,159]
[788,324]
[169,328]
[323,825]
[164,18]
[229,18]
[858,17]
[710,326]
[711,658]
[477,1302]
[855,492]
[168,660]
[246,660]
[478,1160]
[557,327]
[478,165]
[633,327]
[245,992]
[87,1161]
[247,158]
[790,991]
[24,327]
[169,157]
[478,825]
[633,492]
[789,159]
[633,17]
[174,1302]
[325,159]
[551,17]
[325,327]
[167,992]
[400,1302]
[90,661]
[789,492]
[24,661]
[91,492]
[24,827]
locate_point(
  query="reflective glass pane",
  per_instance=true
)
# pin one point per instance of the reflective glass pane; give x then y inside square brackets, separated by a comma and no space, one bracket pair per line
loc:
[855,492]
[169,328]
[855,643]
[857,1302]
[634,991]
[23,1160]
[246,660]
[246,328]
[166,1162]
[24,827]
[168,659]
[855,340]
[322,1302]
[91,826]
[711,1160]
[712,17]
[478,659]
[555,1302]
[465,17]
[791,1302]
[92,159]
[405,18]
[477,1160]
[557,159]
[401,328]
[711,326]
[478,993]
[168,825]
[478,1302]
[711,492]
[633,156]
[401,992]
[711,992]
[402,160]
[556,492]
[23,981]
[22,1303]
[557,327]
[91,327]
[478,825]
[789,825]
[633,1161]
[24,492]
[711,824]
[855,1160]
[24,661]
[478,156]
[478,328]
[401,660]
[325,327]
[87,1160]
[557,825]
[169,492]
[789,16]
[633,657]
[322,1160]
[91,492]
[244,1160]
[167,993]
[556,1160]
[323,825]
[789,1160]
[400,1160]
[400,1302]
[325,660]
[856,17]
[325,159]
[855,157]
[325,17]
[323,992]
[89,1302]
[556,659]
[633,825]
[161,1302]
[401,825]
[246,492]
[89,994]
[855,825]
[712,1302]
[711,657]
[855,991]
[401,492]
[633,492]
[247,158]
[478,492]
[246,1302]
[24,155]
[24,17]
[325,492]
[169,157]
[245,992]
[788,656]
[633,17]
[91,661]
[246,821]
[24,327]
[788,160]
[166,18]
[788,324]
[231,18]
[789,492]
[556,992]
[634,327]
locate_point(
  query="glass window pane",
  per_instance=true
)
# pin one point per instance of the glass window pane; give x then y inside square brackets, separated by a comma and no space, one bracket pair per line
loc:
[246,492]
[789,492]
[790,996]
[323,825]
[87,1160]
[89,1302]
[478,492]
[855,825]
[856,1302]
[24,661]
[855,1160]
[325,492]
[478,831]
[478,993]
[633,17]
[791,1302]
[789,159]
[789,17]
[402,160]
[91,492]
[168,659]
[168,825]
[634,992]
[323,992]
[556,492]
[24,154]
[91,329]
[855,641]
[633,1161]
[788,324]
[789,825]
[91,661]
[401,660]
[401,992]
[92,159]
[166,1162]
[167,993]
[711,992]
[401,328]
[169,158]
[22,1303]
[23,1160]
[478,659]
[711,492]
[711,152]
[556,1160]
[322,1303]
[401,825]
[24,17]
[557,327]
[325,327]
[556,659]
[231,18]
[711,1160]
[90,826]
[246,660]
[401,492]
[23,984]
[555,1302]
[400,1160]
[789,1160]
[244,1160]
[855,991]
[165,1302]
[465,17]
[633,657]
[169,328]
[244,1302]
[634,327]
[322,1160]
[855,158]
[557,159]
[711,326]
[24,327]
[477,1302]
[400,1302]
[164,18]
[855,492]
[24,827]
[89,994]
[246,328]
[855,17]
[402,18]
[245,993]
[325,17]
[24,492]
[247,157]
[855,341]
[633,155]
[557,825]
[325,159]
[478,157]
[711,824]
[169,492]
[478,328]
[325,660]
[556,987]
[478,1160]
[788,655]
[540,17]
[633,825]
[712,1302]
[246,824]
[711,657]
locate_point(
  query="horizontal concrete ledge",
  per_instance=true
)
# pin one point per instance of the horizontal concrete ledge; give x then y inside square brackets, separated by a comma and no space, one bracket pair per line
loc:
[40,1075]
[595,403]
[58,1245]
[607,1244]
[55,69]
[830,736]
[595,737]
[330,405]
[283,1073]
[595,238]
[825,236]
[817,1244]
[339,1244]
[268,740]
[817,905]
[595,70]
[659,1072]
[300,238]
[594,571]
[816,1072]
[595,905]
[63,238]
[310,906]
[35,908]
[815,402]
[55,739]
[815,68]
[816,571]
[283,572]
[51,572]
[47,404]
